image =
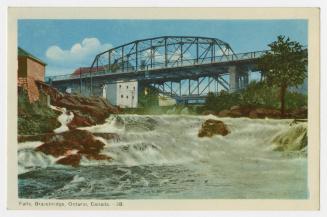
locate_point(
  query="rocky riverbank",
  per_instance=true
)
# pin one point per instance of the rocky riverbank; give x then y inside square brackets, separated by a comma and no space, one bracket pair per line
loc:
[238,111]
[87,111]
[69,145]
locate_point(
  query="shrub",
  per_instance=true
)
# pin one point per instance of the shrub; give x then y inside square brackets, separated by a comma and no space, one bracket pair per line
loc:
[256,94]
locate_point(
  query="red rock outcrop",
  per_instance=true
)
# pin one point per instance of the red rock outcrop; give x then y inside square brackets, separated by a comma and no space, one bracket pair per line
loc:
[87,110]
[75,144]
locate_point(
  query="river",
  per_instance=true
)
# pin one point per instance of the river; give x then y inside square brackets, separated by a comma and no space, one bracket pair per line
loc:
[161,157]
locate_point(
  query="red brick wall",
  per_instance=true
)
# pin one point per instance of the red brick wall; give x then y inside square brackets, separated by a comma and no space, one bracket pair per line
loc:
[34,71]
[22,82]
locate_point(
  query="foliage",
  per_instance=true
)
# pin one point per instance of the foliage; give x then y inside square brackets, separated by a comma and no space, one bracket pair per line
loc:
[222,100]
[256,95]
[36,117]
[284,65]
[148,98]
[295,100]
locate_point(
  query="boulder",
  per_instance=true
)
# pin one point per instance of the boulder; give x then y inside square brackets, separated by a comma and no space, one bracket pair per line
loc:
[72,160]
[224,113]
[292,139]
[73,145]
[108,136]
[213,127]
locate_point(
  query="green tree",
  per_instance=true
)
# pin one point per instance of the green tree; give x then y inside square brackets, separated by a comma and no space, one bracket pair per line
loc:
[284,66]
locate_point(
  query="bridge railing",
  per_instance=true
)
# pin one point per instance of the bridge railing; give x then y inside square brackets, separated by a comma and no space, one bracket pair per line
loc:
[49,79]
[160,65]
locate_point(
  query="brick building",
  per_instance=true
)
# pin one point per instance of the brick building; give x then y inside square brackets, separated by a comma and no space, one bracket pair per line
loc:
[30,69]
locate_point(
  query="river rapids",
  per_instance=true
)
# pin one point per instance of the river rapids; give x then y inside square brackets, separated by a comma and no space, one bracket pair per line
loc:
[161,157]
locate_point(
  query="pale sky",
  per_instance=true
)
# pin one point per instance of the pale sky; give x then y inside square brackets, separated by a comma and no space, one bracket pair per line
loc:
[69,44]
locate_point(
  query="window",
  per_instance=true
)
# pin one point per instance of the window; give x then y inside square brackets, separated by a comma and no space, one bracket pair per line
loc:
[132,97]
[134,88]
[127,87]
[126,97]
[120,86]
[121,96]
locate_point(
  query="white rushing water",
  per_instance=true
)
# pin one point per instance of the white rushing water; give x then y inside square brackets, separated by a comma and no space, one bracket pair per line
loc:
[162,157]
[64,118]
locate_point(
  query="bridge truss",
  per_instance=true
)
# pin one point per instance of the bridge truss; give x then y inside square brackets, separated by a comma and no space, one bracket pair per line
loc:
[161,52]
[181,67]
[169,52]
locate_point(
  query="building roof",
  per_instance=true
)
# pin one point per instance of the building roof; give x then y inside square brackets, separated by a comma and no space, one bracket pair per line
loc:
[22,52]
[85,70]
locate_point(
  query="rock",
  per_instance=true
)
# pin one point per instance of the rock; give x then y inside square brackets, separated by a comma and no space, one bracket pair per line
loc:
[80,120]
[299,113]
[72,160]
[235,113]
[292,139]
[213,127]
[253,114]
[108,136]
[296,121]
[71,143]
[224,113]
[149,124]
[98,157]
[247,111]
[264,112]
[87,110]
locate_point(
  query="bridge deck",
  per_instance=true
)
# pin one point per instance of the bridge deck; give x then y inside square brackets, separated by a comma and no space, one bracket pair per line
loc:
[188,66]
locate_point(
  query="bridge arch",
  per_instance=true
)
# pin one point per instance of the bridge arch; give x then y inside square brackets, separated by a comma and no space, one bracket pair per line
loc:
[161,52]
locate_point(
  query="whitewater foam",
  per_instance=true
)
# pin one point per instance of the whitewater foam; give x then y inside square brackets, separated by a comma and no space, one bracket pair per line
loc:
[173,140]
[64,119]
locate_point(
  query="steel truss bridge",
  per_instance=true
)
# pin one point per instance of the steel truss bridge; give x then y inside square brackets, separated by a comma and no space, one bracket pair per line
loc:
[182,67]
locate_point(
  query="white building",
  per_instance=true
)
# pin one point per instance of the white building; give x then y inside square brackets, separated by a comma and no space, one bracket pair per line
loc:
[122,94]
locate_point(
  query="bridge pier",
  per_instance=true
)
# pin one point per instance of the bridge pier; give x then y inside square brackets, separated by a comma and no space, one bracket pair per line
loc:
[233,78]
[238,78]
